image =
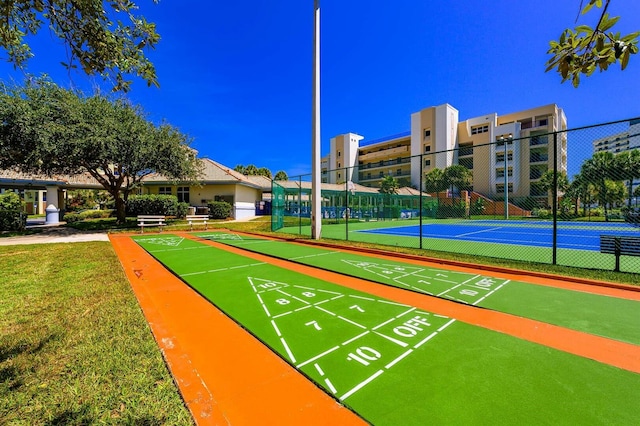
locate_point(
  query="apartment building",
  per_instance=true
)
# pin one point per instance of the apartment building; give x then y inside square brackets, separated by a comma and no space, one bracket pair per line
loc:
[620,142]
[515,149]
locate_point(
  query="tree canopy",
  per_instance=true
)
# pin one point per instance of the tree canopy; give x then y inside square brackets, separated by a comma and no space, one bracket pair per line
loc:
[51,130]
[389,185]
[582,50]
[252,170]
[102,37]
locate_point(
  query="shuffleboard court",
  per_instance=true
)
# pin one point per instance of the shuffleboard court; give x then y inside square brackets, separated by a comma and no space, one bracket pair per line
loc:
[393,363]
[605,316]
[538,235]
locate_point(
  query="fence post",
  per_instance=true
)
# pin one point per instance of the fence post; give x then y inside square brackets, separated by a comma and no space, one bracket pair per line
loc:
[555,199]
[421,200]
[346,198]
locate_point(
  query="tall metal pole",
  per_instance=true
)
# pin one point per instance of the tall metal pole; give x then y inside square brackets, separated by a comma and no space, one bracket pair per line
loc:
[316,211]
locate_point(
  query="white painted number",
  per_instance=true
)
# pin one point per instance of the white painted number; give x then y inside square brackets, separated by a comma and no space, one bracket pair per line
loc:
[282,301]
[267,285]
[308,294]
[314,324]
[357,308]
[364,355]
[469,292]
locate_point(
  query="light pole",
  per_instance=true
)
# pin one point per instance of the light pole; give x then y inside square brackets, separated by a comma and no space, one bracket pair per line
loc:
[316,213]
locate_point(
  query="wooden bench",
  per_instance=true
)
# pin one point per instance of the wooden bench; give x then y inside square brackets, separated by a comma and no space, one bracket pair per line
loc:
[149,220]
[197,218]
[619,245]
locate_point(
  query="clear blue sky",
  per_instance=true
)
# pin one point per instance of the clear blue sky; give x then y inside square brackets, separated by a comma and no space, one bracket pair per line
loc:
[236,76]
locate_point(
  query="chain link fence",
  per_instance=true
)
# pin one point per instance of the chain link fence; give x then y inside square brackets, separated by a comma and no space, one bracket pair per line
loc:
[567,198]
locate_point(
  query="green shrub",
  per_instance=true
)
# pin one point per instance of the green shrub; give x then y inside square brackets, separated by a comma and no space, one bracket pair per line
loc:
[166,205]
[541,213]
[219,209]
[11,216]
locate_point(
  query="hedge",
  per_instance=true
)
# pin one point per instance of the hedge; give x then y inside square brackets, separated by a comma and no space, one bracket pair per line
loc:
[219,209]
[11,216]
[166,205]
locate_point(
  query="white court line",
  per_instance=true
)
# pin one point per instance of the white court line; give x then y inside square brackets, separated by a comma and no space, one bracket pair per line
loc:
[222,269]
[461,284]
[353,339]
[263,305]
[276,328]
[351,322]
[478,232]
[361,385]
[362,297]
[286,347]
[426,339]
[397,360]
[330,386]
[319,369]
[324,310]
[318,356]
[391,339]
[446,325]
[493,291]
[313,255]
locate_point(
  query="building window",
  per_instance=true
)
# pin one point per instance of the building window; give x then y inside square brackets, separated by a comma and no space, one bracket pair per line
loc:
[339,175]
[500,156]
[164,190]
[339,153]
[475,130]
[398,172]
[183,194]
[427,148]
[381,174]
[427,162]
[427,133]
[339,165]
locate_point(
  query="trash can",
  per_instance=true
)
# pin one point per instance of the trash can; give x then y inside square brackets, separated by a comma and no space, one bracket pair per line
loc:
[52,214]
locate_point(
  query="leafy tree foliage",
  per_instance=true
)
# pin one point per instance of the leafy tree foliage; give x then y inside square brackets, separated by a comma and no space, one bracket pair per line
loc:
[435,181]
[52,130]
[252,170]
[598,170]
[583,49]
[389,185]
[458,176]
[94,41]
[627,166]
[281,175]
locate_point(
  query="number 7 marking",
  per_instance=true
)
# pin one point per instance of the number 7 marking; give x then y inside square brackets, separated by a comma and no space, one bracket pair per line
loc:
[315,324]
[357,308]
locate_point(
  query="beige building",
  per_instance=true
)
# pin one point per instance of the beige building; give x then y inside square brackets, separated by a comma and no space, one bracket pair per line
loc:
[438,139]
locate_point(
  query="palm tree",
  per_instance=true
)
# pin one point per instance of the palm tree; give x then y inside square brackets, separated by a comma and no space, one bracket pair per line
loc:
[627,167]
[598,170]
[389,185]
[546,182]
[458,176]
[435,181]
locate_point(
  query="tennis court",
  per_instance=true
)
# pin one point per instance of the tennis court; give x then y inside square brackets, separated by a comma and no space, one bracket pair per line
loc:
[570,235]
[395,362]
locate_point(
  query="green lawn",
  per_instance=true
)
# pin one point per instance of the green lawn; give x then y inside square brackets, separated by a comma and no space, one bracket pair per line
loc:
[395,364]
[74,345]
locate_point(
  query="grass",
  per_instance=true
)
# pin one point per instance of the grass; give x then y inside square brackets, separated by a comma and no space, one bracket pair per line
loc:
[74,345]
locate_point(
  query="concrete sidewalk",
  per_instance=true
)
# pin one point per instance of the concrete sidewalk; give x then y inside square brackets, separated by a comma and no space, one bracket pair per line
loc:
[55,234]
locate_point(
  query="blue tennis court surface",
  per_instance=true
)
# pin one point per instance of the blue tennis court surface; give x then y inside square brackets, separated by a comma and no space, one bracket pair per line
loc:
[570,235]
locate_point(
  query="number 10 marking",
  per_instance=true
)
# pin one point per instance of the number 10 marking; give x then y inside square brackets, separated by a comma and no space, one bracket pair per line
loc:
[365,354]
